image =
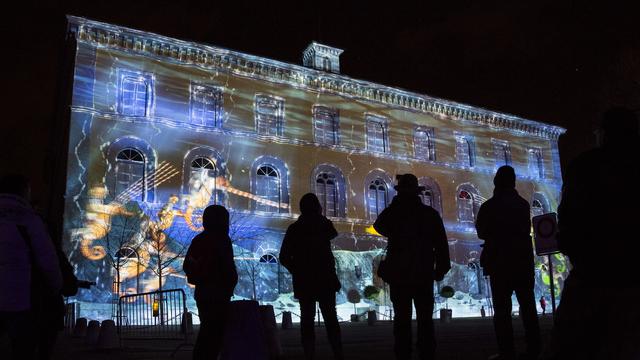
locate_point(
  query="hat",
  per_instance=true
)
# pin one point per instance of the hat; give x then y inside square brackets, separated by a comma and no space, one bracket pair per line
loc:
[408,183]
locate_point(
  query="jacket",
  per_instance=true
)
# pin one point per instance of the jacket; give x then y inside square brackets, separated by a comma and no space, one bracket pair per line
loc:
[418,245]
[16,254]
[306,253]
[209,265]
[504,223]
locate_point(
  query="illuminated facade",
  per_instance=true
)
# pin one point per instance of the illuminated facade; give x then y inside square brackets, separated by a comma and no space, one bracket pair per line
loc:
[160,128]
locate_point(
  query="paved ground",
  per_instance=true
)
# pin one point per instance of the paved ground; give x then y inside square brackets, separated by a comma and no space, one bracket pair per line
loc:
[468,339]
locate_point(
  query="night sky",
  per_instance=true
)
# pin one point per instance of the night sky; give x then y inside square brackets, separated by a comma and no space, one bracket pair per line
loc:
[550,61]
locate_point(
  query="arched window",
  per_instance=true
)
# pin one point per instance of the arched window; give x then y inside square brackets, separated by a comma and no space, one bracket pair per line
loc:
[328,183]
[468,201]
[268,188]
[536,208]
[130,175]
[203,173]
[539,204]
[327,192]
[377,196]
[431,194]
[423,144]
[268,259]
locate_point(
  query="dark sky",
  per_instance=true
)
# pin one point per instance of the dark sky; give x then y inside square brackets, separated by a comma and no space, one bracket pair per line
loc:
[551,61]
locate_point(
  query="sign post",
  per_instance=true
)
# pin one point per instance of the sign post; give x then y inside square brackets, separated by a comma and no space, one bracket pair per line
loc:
[545,229]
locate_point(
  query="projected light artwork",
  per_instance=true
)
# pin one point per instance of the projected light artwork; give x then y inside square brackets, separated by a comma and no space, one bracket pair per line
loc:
[161,128]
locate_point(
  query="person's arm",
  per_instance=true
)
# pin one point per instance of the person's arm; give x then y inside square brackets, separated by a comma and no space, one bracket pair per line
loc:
[229,274]
[481,223]
[331,230]
[44,253]
[286,253]
[383,223]
[440,249]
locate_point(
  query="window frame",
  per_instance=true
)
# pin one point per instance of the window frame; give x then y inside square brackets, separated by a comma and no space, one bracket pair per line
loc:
[384,125]
[279,117]
[137,77]
[212,92]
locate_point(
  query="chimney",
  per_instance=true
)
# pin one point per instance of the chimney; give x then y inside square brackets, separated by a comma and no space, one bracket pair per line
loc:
[322,57]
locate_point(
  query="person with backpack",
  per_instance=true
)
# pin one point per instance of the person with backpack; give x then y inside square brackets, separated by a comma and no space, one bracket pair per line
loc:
[306,253]
[417,254]
[29,268]
[210,267]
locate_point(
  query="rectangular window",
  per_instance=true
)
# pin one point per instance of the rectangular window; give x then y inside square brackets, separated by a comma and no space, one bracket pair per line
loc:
[206,106]
[501,152]
[377,136]
[536,163]
[269,113]
[424,144]
[325,125]
[135,93]
[465,150]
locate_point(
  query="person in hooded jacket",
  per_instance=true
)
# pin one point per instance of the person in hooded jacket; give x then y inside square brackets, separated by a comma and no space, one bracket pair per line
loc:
[29,267]
[306,253]
[504,223]
[417,254]
[210,267]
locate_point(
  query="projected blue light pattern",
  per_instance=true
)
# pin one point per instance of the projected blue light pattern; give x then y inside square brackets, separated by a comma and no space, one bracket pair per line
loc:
[162,128]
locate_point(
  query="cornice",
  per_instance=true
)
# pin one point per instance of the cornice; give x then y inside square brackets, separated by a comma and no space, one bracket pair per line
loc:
[208,57]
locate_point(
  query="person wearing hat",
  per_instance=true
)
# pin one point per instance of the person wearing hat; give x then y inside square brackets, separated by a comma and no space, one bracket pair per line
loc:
[504,224]
[417,254]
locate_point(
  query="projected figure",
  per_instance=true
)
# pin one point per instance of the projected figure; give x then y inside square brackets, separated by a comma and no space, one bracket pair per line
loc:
[97,222]
[504,224]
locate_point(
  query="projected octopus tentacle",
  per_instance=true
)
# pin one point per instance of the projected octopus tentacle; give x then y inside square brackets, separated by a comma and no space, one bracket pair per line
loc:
[97,222]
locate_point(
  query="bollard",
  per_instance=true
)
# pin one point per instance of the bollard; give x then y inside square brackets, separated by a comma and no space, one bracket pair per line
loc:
[80,329]
[93,330]
[372,316]
[108,337]
[445,315]
[186,325]
[287,323]
[270,331]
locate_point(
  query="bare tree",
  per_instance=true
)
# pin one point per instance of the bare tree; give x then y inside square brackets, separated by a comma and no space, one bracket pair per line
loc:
[165,249]
[245,237]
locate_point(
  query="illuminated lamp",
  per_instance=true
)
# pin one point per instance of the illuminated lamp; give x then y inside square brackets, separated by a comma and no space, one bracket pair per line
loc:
[156,307]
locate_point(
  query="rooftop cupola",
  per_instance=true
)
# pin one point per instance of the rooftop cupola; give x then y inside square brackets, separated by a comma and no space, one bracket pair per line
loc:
[322,57]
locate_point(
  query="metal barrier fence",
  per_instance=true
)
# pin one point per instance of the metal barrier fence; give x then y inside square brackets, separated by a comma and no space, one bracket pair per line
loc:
[154,315]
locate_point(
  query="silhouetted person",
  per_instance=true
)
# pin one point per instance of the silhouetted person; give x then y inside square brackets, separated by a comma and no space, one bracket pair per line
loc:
[543,305]
[28,266]
[504,223]
[306,253]
[598,317]
[418,253]
[52,311]
[210,267]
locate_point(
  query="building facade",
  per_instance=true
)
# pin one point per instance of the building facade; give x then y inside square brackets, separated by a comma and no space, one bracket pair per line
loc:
[160,128]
